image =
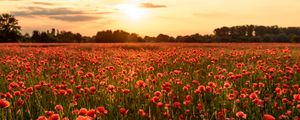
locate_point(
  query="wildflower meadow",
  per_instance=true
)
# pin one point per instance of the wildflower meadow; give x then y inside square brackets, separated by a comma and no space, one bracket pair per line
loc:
[155,82]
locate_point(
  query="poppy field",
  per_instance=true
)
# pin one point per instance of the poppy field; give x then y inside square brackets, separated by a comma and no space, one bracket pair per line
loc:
[155,82]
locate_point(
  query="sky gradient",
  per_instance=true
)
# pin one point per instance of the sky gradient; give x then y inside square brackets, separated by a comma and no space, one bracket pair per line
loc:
[150,17]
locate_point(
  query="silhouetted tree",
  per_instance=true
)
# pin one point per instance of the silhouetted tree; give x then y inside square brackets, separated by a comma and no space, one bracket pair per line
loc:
[44,37]
[149,39]
[53,31]
[295,38]
[120,36]
[68,37]
[36,37]
[133,37]
[164,38]
[104,36]
[9,28]
[250,30]
[223,31]
[281,38]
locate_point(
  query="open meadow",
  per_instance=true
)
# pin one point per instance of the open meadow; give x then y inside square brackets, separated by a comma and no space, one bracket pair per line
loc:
[156,81]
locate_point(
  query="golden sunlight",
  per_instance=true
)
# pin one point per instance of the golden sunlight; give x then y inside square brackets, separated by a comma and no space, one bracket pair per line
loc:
[132,11]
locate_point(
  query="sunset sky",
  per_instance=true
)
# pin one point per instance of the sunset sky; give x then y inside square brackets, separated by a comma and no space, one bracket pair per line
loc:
[150,17]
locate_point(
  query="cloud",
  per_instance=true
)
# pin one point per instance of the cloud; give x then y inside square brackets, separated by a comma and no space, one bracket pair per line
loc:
[103,13]
[151,5]
[43,3]
[29,11]
[74,18]
[63,14]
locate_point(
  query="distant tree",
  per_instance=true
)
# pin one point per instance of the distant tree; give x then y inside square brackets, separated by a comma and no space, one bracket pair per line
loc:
[164,38]
[267,38]
[26,38]
[242,30]
[68,37]
[255,33]
[149,39]
[235,32]
[9,28]
[87,39]
[133,37]
[53,32]
[295,38]
[117,36]
[291,30]
[260,30]
[255,39]
[104,36]
[194,38]
[44,38]
[250,30]
[208,38]
[36,36]
[281,38]
[223,31]
[78,38]
[274,30]
[120,36]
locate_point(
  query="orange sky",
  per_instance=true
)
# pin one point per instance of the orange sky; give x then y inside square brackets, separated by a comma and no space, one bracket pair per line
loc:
[150,17]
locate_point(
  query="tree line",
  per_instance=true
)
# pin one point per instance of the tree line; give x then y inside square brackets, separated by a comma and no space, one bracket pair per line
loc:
[257,33]
[10,31]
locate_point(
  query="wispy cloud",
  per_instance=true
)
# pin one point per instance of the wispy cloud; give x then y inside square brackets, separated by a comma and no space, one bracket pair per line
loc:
[63,14]
[74,18]
[43,3]
[151,5]
[29,11]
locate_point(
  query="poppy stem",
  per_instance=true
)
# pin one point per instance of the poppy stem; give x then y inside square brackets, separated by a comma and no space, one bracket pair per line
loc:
[2,114]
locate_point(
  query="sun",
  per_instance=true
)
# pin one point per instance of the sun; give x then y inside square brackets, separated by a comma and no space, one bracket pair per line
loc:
[132,11]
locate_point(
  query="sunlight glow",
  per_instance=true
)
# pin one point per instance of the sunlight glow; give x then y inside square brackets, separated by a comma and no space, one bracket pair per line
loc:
[132,11]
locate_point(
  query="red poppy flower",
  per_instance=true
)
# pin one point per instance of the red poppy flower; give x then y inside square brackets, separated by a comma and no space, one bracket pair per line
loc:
[83,111]
[92,113]
[4,103]
[227,85]
[269,117]
[93,89]
[41,118]
[176,105]
[54,117]
[125,91]
[141,112]
[296,97]
[84,118]
[159,104]
[59,108]
[241,114]
[123,111]
[102,110]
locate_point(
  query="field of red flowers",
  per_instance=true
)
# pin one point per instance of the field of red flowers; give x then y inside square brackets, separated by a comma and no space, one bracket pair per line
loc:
[107,82]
